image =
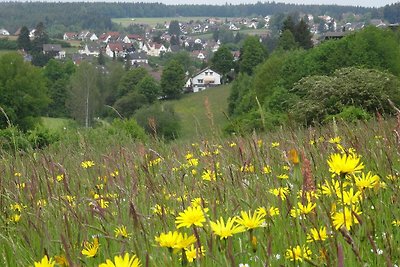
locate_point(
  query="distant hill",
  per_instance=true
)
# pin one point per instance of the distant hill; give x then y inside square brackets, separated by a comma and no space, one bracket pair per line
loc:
[97,16]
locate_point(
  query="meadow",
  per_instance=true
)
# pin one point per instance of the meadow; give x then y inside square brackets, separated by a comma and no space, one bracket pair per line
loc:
[310,197]
[153,21]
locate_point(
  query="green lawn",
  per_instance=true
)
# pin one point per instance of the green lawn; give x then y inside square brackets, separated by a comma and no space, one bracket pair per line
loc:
[56,124]
[2,52]
[204,112]
[153,21]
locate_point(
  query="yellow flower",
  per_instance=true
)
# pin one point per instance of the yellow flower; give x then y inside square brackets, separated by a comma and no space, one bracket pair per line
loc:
[184,241]
[330,189]
[20,185]
[267,169]
[366,181]
[121,231]
[198,202]
[45,262]
[91,248]
[60,177]
[192,252]
[233,144]
[345,218]
[281,192]
[41,203]
[293,156]
[120,261]
[283,176]
[247,168]
[226,230]
[396,223]
[191,216]
[100,201]
[298,253]
[208,175]
[168,240]
[272,211]
[275,144]
[87,164]
[345,164]
[335,140]
[250,221]
[302,209]
[349,197]
[317,235]
[15,218]
[61,261]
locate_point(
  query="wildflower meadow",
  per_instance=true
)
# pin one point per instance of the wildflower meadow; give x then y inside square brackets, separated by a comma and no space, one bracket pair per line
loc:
[296,197]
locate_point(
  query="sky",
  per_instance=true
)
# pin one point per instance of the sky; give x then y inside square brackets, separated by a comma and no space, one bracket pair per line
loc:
[364,3]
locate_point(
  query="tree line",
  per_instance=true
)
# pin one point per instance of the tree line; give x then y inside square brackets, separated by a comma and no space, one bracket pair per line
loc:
[63,17]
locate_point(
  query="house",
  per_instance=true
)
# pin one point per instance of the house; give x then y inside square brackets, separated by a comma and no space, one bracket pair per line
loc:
[91,49]
[202,80]
[233,27]
[70,36]
[93,37]
[87,35]
[154,49]
[199,54]
[110,37]
[32,33]
[54,50]
[115,50]
[4,32]
[138,57]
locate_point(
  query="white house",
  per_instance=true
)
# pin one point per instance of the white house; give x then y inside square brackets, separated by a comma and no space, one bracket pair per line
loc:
[4,32]
[154,49]
[203,79]
[93,37]
[90,50]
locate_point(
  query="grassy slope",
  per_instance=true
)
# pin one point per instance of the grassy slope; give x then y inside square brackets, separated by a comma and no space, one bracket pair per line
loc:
[196,120]
[55,123]
[153,21]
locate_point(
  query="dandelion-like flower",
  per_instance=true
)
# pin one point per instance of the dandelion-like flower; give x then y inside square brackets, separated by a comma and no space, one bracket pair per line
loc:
[302,209]
[226,230]
[349,197]
[298,253]
[192,253]
[91,248]
[45,262]
[365,181]
[61,261]
[184,241]
[250,221]
[281,192]
[191,216]
[121,232]
[208,175]
[345,164]
[87,164]
[120,261]
[345,218]
[168,240]
[317,234]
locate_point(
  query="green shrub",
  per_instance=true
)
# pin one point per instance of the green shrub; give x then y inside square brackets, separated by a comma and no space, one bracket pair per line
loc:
[12,139]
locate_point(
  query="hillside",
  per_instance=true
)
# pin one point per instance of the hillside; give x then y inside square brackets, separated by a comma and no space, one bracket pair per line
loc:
[204,112]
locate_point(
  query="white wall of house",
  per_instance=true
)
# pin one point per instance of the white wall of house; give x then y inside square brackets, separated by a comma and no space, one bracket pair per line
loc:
[204,79]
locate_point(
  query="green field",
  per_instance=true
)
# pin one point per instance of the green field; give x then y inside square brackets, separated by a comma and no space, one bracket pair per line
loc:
[153,21]
[2,52]
[56,124]
[203,113]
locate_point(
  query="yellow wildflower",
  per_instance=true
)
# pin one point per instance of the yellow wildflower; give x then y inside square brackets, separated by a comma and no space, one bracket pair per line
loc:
[298,253]
[91,248]
[191,216]
[250,221]
[345,164]
[345,218]
[192,253]
[87,164]
[120,261]
[317,235]
[121,231]
[45,262]
[226,230]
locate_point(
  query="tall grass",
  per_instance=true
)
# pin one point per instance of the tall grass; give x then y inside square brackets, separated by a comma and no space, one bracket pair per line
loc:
[146,185]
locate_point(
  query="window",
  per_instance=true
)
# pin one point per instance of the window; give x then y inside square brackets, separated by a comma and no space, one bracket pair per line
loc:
[211,73]
[200,80]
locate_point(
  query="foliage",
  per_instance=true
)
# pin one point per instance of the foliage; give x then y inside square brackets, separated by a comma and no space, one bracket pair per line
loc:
[160,121]
[83,99]
[129,127]
[371,48]
[172,80]
[58,75]
[366,89]
[24,42]
[23,92]
[7,44]
[222,60]
[174,28]
[251,54]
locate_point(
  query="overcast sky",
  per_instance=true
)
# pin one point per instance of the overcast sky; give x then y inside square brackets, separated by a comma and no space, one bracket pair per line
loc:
[365,3]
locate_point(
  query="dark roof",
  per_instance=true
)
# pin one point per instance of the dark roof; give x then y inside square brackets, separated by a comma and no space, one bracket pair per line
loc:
[52,48]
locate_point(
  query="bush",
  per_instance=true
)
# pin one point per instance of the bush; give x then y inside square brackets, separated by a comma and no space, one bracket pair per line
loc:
[129,127]
[159,120]
[12,139]
[351,114]
[41,137]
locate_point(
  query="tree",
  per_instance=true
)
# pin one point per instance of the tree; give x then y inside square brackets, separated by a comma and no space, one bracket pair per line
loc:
[40,38]
[252,54]
[303,35]
[23,92]
[174,28]
[172,80]
[130,80]
[24,42]
[83,96]
[101,60]
[149,87]
[287,41]
[58,74]
[222,61]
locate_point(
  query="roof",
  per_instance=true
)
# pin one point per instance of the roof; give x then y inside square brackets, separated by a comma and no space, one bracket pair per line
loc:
[52,48]
[115,47]
[203,70]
